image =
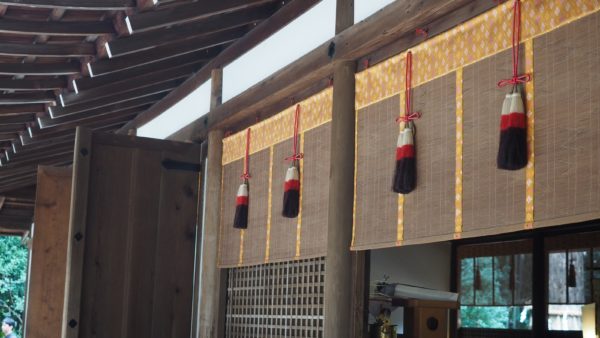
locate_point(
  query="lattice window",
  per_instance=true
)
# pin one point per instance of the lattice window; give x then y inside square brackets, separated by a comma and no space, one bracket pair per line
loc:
[276,300]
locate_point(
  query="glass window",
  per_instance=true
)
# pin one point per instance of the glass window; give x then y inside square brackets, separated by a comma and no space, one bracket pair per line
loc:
[496,292]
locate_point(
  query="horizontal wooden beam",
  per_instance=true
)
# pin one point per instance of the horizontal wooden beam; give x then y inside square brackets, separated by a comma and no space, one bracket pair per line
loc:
[47,121]
[211,44]
[261,32]
[68,68]
[14,225]
[48,50]
[100,5]
[27,98]
[27,84]
[85,83]
[17,147]
[31,157]
[7,136]
[22,109]
[114,99]
[186,13]
[56,28]
[128,85]
[111,118]
[11,128]
[151,39]
[396,24]
[16,119]
[27,140]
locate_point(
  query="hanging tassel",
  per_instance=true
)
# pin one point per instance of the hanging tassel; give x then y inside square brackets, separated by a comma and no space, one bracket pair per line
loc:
[240,221]
[291,188]
[572,276]
[405,175]
[512,151]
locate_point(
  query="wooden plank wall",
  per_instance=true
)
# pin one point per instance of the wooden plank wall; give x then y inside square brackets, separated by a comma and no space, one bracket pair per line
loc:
[140,237]
[49,253]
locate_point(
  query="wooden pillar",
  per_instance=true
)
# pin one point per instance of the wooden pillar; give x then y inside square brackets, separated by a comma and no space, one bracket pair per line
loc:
[212,278]
[338,263]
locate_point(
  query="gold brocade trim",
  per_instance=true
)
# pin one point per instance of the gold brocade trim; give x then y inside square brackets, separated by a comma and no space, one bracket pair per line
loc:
[355,177]
[299,225]
[530,170]
[221,236]
[269,207]
[241,260]
[315,111]
[458,187]
[400,224]
[476,39]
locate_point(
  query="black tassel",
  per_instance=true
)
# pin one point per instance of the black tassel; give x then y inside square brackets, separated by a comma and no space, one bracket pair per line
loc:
[572,276]
[405,176]
[291,192]
[240,220]
[512,152]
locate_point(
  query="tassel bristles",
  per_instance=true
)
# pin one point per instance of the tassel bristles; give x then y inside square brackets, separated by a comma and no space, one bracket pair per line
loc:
[405,176]
[512,153]
[291,192]
[240,220]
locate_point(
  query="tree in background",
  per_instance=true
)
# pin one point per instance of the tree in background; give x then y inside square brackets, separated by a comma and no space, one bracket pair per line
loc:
[13,279]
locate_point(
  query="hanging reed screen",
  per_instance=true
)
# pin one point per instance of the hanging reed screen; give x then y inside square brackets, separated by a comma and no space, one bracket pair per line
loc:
[276,300]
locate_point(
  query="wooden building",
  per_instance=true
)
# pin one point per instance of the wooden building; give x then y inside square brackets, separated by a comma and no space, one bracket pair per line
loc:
[135,237]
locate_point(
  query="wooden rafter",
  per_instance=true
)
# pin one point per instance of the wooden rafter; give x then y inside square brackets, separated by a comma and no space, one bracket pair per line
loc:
[186,13]
[101,5]
[27,98]
[26,84]
[58,28]
[48,50]
[16,119]
[75,119]
[40,68]
[150,39]
[21,109]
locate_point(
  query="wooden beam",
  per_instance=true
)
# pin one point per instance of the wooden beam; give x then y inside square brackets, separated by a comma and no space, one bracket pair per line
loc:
[151,39]
[48,50]
[6,128]
[22,109]
[12,224]
[27,98]
[186,13]
[85,118]
[16,119]
[114,99]
[8,136]
[27,140]
[261,32]
[43,159]
[26,84]
[85,83]
[47,121]
[128,85]
[32,157]
[211,44]
[69,68]
[100,5]
[56,28]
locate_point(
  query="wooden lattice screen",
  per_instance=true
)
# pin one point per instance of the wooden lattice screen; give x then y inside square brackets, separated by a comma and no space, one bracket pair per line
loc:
[276,300]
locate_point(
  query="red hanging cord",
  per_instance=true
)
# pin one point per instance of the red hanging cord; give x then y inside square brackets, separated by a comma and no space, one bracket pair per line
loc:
[408,114]
[297,155]
[516,38]
[246,175]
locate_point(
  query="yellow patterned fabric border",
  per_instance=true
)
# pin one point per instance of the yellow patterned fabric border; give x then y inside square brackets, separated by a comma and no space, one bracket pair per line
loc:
[530,170]
[483,36]
[315,111]
[241,260]
[400,225]
[269,206]
[299,225]
[458,187]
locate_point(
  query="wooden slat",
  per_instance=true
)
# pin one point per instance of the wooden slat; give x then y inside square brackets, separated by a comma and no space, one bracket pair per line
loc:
[34,154]
[114,99]
[7,128]
[27,98]
[151,39]
[27,140]
[26,84]
[265,29]
[45,301]
[22,109]
[6,136]
[39,68]
[47,121]
[101,5]
[57,28]
[128,85]
[16,119]
[107,79]
[186,13]
[31,151]
[168,51]
[41,159]
[48,50]
[90,118]
[67,129]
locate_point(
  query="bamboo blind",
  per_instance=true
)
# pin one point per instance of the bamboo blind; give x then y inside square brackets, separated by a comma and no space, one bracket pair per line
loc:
[282,299]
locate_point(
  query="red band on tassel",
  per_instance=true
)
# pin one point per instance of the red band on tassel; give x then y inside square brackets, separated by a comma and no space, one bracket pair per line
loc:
[513,120]
[291,185]
[246,175]
[241,200]
[297,155]
[405,152]
[516,38]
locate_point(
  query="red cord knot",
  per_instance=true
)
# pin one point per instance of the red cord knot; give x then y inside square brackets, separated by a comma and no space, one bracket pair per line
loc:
[422,31]
[245,176]
[515,80]
[408,118]
[295,157]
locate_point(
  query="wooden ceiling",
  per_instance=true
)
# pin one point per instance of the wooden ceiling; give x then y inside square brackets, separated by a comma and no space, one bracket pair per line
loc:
[99,63]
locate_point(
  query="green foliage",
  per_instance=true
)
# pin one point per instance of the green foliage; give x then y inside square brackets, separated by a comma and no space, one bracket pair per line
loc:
[13,279]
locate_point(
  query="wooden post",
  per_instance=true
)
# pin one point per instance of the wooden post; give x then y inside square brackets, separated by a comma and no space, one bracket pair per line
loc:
[338,263]
[212,278]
